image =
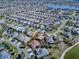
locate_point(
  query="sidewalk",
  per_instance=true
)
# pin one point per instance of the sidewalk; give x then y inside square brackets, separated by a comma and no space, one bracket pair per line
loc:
[63,54]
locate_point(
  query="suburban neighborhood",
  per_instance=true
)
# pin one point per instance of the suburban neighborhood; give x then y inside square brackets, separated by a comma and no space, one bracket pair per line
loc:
[37,29]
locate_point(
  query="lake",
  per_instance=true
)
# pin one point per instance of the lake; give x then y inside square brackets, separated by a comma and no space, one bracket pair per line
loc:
[53,6]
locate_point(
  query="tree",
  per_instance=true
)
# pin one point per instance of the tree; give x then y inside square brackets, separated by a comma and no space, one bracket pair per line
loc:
[1,30]
[52,58]
[66,41]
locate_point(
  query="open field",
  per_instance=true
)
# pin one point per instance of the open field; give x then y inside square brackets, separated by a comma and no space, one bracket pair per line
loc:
[73,53]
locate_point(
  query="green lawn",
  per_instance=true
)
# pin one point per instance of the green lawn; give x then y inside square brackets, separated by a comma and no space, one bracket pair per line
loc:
[73,53]
[1,17]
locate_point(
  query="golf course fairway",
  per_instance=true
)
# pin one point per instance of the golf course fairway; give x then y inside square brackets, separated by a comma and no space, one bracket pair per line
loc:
[72,53]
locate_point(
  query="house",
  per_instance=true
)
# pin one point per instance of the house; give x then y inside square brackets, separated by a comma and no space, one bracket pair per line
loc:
[26,39]
[18,28]
[21,37]
[31,33]
[75,31]
[68,29]
[28,53]
[5,33]
[15,34]
[18,57]
[67,35]
[41,52]
[40,35]
[4,55]
[77,25]
[2,46]
[49,39]
[35,43]
[57,22]
[75,41]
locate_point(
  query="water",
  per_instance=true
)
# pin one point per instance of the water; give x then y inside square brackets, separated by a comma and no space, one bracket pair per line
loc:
[53,6]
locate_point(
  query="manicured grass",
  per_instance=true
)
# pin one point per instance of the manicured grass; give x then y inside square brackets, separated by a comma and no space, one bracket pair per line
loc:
[1,50]
[1,17]
[75,36]
[73,53]
[52,31]
[11,50]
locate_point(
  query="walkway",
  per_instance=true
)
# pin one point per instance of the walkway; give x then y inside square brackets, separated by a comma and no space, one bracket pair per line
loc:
[62,57]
